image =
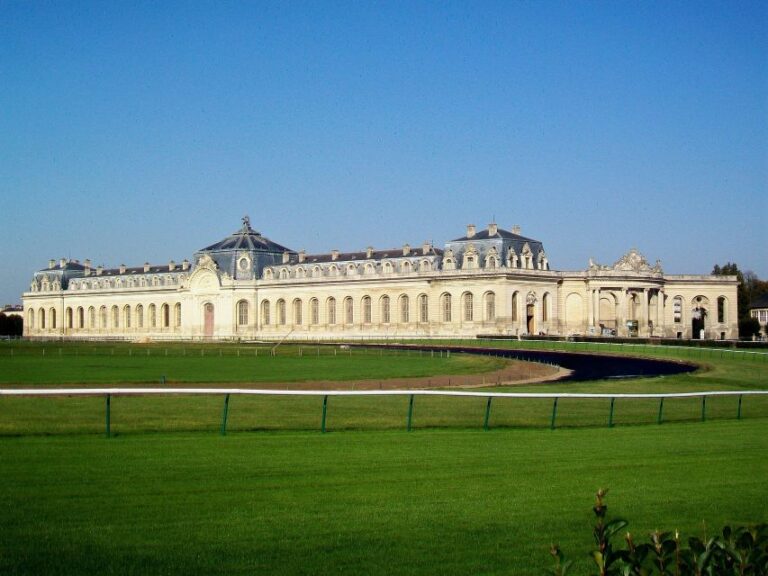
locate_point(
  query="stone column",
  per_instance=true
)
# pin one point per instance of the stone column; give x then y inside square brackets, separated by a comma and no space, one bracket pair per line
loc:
[643,323]
[660,312]
[590,309]
[596,307]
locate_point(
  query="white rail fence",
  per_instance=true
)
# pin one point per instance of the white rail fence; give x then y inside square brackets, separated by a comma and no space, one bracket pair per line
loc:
[108,393]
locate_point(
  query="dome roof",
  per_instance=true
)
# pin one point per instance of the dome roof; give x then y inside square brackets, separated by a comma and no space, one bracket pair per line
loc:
[246,239]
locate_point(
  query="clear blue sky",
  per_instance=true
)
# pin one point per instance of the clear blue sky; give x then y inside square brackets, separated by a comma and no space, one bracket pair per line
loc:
[134,131]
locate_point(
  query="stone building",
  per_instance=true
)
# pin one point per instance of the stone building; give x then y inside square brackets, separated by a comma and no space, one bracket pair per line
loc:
[489,281]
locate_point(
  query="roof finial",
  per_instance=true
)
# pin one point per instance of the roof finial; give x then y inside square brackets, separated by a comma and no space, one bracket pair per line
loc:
[246,223]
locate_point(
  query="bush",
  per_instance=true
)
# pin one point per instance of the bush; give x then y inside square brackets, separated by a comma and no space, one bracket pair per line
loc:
[741,551]
[749,327]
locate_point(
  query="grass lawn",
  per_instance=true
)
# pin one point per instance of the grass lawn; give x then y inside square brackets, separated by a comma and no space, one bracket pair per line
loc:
[447,498]
[428,502]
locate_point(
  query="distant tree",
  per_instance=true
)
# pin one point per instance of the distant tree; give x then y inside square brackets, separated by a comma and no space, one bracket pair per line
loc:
[11,325]
[749,327]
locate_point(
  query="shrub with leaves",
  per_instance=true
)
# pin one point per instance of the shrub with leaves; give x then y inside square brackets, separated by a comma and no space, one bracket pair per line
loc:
[740,551]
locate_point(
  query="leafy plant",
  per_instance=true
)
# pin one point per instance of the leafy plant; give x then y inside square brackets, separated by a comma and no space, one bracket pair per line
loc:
[739,551]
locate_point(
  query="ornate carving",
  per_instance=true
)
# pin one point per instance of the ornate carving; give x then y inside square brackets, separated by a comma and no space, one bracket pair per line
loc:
[632,261]
[205,261]
[530,298]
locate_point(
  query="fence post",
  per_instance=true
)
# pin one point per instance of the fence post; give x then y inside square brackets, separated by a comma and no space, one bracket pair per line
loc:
[554,414]
[487,413]
[108,432]
[410,412]
[610,414]
[661,411]
[703,408]
[325,410]
[224,416]
[738,414]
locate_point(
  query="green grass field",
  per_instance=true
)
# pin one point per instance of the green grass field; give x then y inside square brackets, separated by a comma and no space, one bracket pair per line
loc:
[275,496]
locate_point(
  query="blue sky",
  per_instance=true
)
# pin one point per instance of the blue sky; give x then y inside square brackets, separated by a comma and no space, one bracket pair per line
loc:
[133,132]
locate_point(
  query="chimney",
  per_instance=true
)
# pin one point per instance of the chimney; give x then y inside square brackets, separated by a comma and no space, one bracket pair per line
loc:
[516,229]
[369,252]
[470,230]
[334,254]
[425,248]
[122,268]
[406,249]
[171,266]
[62,262]
[87,265]
[185,264]
[492,229]
[99,270]
[302,255]
[146,266]
[286,257]
[51,263]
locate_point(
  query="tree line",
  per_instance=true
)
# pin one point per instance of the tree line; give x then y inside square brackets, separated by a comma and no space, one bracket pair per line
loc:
[750,290]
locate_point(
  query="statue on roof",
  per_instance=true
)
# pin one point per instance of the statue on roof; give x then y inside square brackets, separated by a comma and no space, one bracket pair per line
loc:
[246,223]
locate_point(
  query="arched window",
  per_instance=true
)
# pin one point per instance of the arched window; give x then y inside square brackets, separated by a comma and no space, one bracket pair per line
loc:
[385,309]
[351,269]
[52,314]
[127,316]
[281,312]
[490,307]
[349,316]
[268,274]
[80,318]
[115,317]
[722,311]
[70,320]
[166,315]
[317,272]
[425,266]
[139,316]
[406,267]
[515,305]
[297,320]
[242,313]
[91,318]
[333,270]
[177,315]
[331,305]
[404,309]
[366,309]
[301,272]
[445,306]
[468,305]
[387,267]
[265,312]
[31,319]
[152,316]
[423,308]
[545,304]
[314,312]
[370,269]
[41,314]
[283,273]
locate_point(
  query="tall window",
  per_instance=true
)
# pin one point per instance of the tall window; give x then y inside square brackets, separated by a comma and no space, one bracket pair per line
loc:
[80,318]
[265,312]
[103,317]
[404,312]
[446,307]
[331,310]
[152,316]
[166,315]
[31,318]
[115,317]
[721,312]
[349,316]
[281,312]
[490,307]
[297,319]
[385,309]
[70,319]
[52,314]
[468,307]
[677,309]
[242,313]
[423,308]
[545,307]
[314,312]
[366,309]
[139,316]
[42,318]
[177,315]
[127,316]
[514,307]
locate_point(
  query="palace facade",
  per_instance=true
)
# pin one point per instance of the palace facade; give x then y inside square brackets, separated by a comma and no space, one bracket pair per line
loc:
[489,281]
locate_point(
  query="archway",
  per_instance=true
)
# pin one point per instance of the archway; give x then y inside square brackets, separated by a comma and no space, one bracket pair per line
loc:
[208,320]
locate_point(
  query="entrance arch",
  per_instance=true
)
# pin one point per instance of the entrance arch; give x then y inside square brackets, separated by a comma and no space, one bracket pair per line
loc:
[208,317]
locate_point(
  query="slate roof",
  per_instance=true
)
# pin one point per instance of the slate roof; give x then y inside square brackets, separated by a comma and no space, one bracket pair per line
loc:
[761,302]
[375,255]
[500,234]
[246,239]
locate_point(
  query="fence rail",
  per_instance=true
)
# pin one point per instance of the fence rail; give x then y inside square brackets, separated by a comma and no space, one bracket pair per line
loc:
[108,393]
